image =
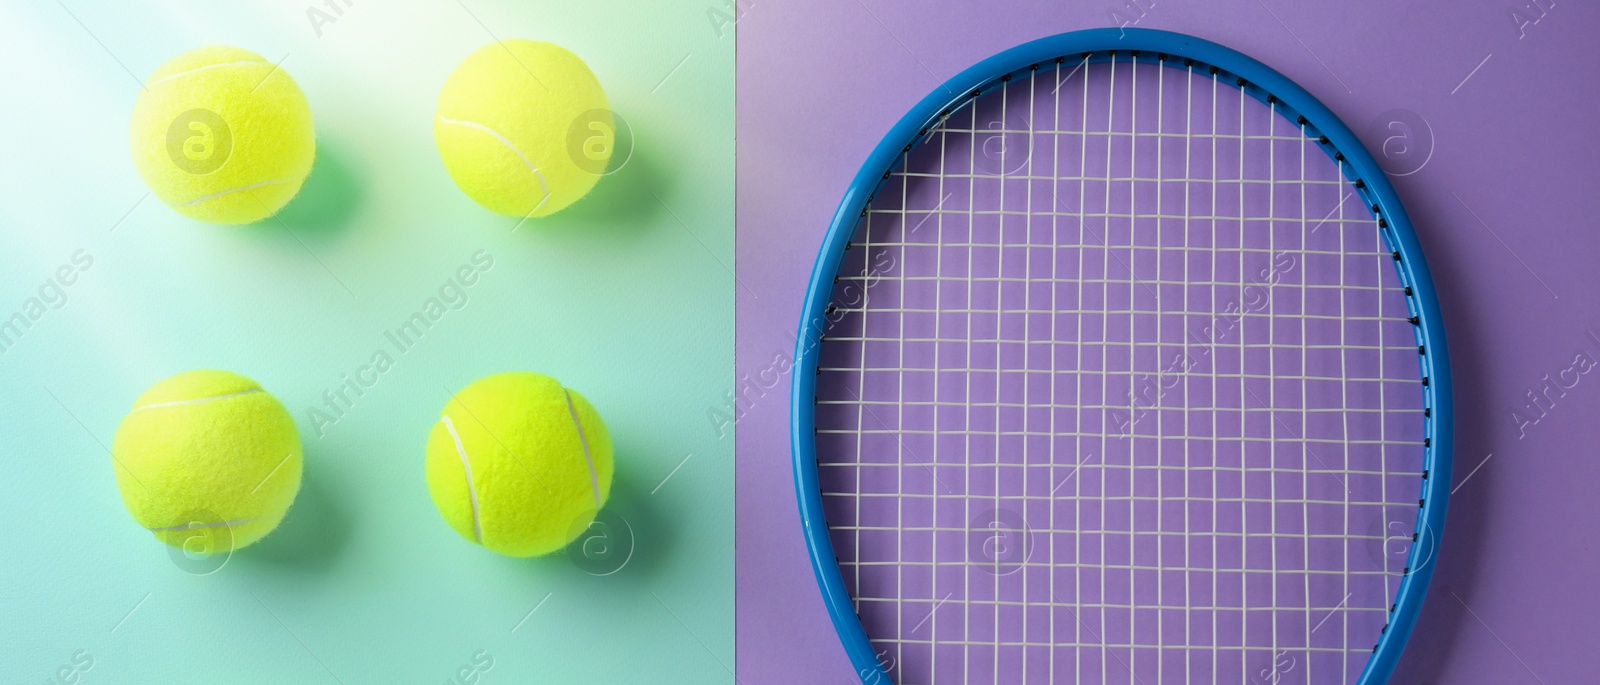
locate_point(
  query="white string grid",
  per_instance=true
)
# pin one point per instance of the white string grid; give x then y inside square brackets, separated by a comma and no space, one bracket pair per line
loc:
[1120,386]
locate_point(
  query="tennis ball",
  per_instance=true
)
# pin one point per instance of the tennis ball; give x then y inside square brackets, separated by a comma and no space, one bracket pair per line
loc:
[222,135]
[523,127]
[207,456]
[519,464]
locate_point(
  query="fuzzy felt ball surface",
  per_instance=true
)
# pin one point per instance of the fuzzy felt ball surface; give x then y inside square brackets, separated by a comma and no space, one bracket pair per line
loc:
[519,464]
[523,127]
[222,135]
[207,461]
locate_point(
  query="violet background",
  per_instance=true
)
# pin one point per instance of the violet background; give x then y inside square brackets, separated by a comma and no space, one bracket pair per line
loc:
[1505,203]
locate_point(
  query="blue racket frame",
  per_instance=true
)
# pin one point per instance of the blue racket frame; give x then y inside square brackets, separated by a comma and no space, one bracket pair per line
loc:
[1260,82]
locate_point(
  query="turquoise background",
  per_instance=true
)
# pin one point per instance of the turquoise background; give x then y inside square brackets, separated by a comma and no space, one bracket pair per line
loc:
[626,296]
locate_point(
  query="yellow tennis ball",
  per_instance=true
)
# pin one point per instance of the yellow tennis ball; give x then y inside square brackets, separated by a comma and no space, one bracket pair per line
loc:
[519,464]
[207,457]
[523,127]
[222,135]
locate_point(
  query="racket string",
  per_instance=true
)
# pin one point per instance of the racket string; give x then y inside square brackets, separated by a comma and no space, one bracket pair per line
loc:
[1086,412]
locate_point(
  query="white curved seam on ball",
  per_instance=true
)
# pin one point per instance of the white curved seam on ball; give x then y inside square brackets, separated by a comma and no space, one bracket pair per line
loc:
[543,186]
[472,490]
[198,400]
[273,472]
[197,525]
[182,74]
[594,478]
[253,186]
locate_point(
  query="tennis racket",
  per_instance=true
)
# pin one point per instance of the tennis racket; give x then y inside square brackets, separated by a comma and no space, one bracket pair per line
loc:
[1121,363]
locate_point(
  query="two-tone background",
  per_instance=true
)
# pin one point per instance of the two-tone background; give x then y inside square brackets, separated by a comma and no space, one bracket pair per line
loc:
[627,297]
[1480,109]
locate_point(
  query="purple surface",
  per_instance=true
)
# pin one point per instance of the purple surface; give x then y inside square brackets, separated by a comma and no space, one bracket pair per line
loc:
[1084,412]
[1498,160]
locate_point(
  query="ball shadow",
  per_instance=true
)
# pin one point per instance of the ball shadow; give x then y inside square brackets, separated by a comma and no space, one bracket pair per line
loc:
[310,537]
[629,536]
[327,200]
[625,202]
[652,537]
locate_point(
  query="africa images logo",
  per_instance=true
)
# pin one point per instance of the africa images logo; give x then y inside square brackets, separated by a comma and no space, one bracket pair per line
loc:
[340,398]
[199,141]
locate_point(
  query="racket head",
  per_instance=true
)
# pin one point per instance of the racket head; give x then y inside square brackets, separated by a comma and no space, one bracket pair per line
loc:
[1260,83]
